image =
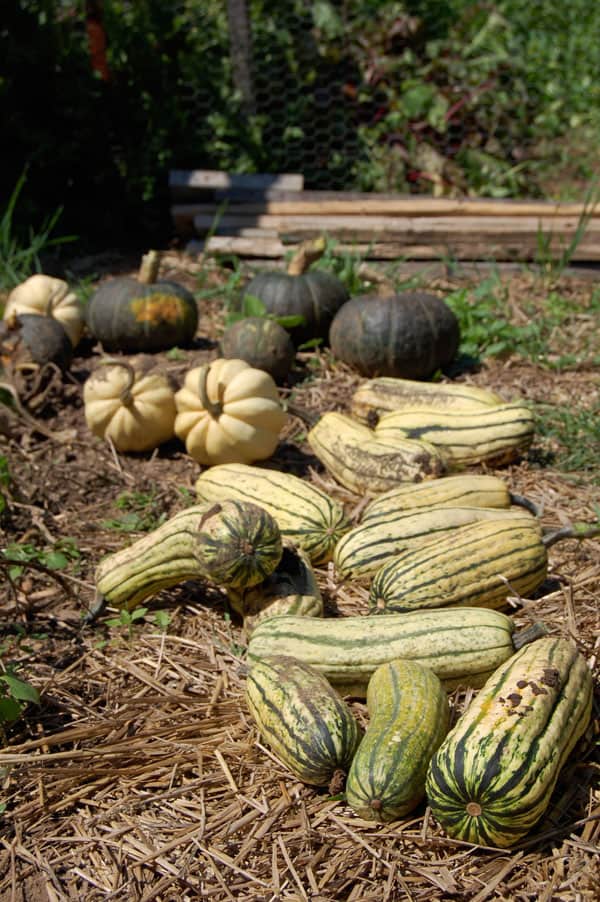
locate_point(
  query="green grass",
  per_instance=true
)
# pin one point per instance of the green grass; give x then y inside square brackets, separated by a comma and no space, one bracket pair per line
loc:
[572,438]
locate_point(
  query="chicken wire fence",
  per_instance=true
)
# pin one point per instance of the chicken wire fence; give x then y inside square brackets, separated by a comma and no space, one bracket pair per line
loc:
[366,95]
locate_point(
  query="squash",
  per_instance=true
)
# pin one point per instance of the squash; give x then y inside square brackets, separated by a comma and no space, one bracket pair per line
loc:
[133,407]
[27,338]
[491,779]
[291,588]
[375,397]
[409,717]
[307,515]
[43,295]
[315,295]
[463,646]
[305,722]
[143,314]
[233,544]
[262,343]
[229,412]
[408,335]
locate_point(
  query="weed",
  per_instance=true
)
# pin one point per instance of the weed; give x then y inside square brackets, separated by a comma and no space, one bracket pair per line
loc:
[15,694]
[573,435]
[18,259]
[140,513]
[127,619]
[57,557]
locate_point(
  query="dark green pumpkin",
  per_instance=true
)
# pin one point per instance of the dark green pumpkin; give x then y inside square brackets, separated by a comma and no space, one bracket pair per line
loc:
[262,343]
[30,338]
[143,314]
[315,295]
[408,335]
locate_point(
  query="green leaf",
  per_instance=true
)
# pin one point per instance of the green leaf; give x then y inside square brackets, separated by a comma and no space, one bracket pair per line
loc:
[56,560]
[288,322]
[253,306]
[9,710]
[19,689]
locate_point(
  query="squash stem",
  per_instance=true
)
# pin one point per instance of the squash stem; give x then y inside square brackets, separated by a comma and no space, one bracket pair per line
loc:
[214,408]
[529,634]
[126,396]
[573,531]
[149,267]
[521,501]
[308,253]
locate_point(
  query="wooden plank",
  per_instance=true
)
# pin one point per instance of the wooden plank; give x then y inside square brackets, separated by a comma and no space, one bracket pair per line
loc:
[472,248]
[401,229]
[203,179]
[314,203]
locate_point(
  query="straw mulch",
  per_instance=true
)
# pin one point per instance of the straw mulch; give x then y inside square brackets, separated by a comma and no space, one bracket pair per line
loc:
[142,777]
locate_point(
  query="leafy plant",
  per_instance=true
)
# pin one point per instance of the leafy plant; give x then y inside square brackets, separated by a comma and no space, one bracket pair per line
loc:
[141,513]
[126,619]
[15,694]
[56,557]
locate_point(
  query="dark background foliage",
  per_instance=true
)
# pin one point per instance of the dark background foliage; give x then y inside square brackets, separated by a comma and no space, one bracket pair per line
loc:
[497,98]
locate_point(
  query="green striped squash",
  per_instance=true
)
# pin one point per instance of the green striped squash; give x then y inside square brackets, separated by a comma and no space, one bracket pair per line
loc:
[300,716]
[232,543]
[491,780]
[307,516]
[461,490]
[496,434]
[291,588]
[462,646]
[362,551]
[481,563]
[408,719]
[378,396]
[238,544]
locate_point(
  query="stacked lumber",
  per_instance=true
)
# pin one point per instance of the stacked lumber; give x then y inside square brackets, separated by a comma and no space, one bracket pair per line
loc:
[262,215]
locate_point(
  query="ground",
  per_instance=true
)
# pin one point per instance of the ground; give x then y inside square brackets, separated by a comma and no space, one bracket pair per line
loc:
[141,775]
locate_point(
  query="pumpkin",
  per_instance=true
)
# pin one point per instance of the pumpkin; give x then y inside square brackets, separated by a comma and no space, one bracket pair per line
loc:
[27,338]
[315,295]
[134,407]
[43,295]
[408,335]
[142,314]
[229,412]
[262,343]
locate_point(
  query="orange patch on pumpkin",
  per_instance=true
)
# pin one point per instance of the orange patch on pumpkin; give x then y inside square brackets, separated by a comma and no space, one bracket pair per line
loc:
[156,308]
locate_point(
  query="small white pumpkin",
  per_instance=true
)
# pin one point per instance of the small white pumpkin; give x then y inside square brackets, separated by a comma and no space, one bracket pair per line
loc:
[46,296]
[133,407]
[229,412]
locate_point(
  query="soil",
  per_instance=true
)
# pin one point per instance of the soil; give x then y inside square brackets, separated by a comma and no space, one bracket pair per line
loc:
[140,775]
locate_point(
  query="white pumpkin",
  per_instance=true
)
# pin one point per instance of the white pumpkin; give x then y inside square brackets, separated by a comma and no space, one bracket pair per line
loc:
[46,296]
[229,412]
[134,408]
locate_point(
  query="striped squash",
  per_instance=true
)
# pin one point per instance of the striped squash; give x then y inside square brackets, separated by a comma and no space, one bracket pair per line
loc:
[408,719]
[462,490]
[301,717]
[481,563]
[361,462]
[494,434]
[378,396]
[362,551]
[491,780]
[462,646]
[231,543]
[291,588]
[307,516]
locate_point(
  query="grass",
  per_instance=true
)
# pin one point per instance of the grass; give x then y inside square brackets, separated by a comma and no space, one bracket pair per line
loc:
[21,257]
[572,437]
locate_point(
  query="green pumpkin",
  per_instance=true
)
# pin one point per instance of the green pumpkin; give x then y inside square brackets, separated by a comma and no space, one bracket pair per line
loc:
[28,338]
[262,343]
[143,314]
[408,335]
[315,295]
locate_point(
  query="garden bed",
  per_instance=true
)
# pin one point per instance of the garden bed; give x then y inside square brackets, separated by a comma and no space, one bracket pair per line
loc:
[141,775]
